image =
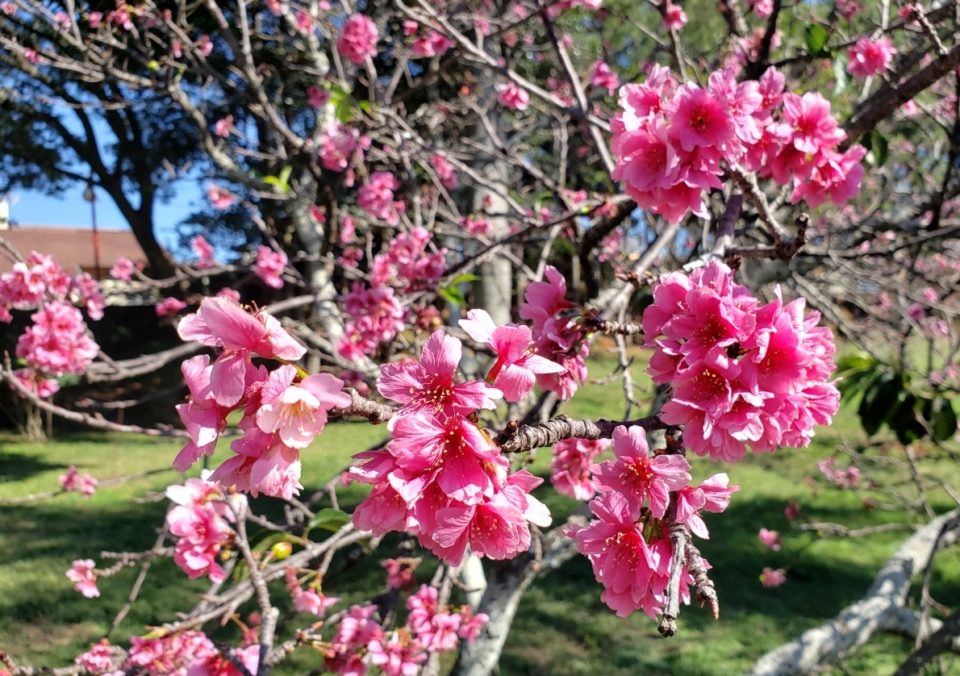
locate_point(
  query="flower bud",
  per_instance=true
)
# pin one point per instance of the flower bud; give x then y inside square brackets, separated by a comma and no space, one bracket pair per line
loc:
[281,550]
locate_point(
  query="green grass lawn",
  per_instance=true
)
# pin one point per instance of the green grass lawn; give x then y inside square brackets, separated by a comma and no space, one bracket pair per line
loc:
[561,627]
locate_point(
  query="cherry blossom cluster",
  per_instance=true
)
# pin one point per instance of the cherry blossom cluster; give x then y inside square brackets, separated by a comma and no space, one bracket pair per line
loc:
[870,57]
[571,470]
[674,143]
[641,495]
[441,477]
[361,642]
[282,411]
[374,316]
[340,146]
[176,654]
[557,335]
[56,343]
[83,574]
[201,522]
[312,600]
[406,261]
[73,481]
[742,374]
[269,266]
[841,478]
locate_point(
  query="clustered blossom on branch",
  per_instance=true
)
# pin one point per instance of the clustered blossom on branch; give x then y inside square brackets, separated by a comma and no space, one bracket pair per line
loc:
[361,642]
[742,374]
[282,410]
[201,522]
[56,343]
[571,470]
[441,477]
[184,652]
[557,335]
[674,143]
[641,496]
[74,481]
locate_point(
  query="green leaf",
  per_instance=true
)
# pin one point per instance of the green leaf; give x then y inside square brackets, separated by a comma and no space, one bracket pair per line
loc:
[942,419]
[815,36]
[877,147]
[465,278]
[879,401]
[330,519]
[281,182]
[453,295]
[902,420]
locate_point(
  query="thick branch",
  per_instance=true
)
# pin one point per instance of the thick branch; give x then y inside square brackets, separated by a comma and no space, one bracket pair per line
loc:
[858,622]
[515,438]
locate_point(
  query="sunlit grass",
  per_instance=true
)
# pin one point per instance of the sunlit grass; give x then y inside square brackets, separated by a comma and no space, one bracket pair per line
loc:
[561,627]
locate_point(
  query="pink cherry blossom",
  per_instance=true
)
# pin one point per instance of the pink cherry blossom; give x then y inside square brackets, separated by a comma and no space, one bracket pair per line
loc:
[512,96]
[406,262]
[220,198]
[769,538]
[204,419]
[433,43]
[376,197]
[674,18]
[517,365]
[56,343]
[358,38]
[430,382]
[698,119]
[399,572]
[742,374]
[269,266]
[221,322]
[84,577]
[557,336]
[603,77]
[169,306]
[200,522]
[621,558]
[354,633]
[771,578]
[445,171]
[123,269]
[317,97]
[396,654]
[223,126]
[99,659]
[298,412]
[571,468]
[73,481]
[375,316]
[203,250]
[339,144]
[496,529]
[638,476]
[870,57]
[42,387]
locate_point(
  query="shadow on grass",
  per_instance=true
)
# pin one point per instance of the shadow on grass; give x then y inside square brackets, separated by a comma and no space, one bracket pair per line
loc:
[562,627]
[563,607]
[19,466]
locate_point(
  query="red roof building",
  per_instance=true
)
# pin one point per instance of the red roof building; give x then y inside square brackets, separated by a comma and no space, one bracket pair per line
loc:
[74,248]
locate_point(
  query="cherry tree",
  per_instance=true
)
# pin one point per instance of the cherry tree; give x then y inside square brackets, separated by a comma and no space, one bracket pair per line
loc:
[451,201]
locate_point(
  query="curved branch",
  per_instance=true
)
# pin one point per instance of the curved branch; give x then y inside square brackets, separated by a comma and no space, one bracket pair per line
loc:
[858,622]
